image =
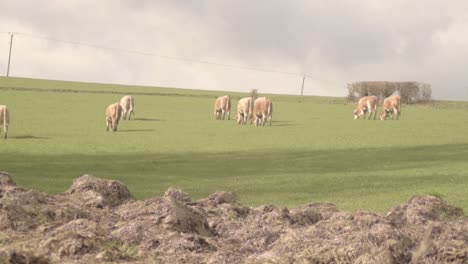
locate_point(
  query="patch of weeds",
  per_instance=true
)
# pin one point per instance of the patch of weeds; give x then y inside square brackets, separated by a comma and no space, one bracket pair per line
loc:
[437,195]
[126,251]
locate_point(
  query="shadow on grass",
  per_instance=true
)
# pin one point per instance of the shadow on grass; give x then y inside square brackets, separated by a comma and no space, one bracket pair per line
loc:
[27,137]
[253,163]
[135,130]
[283,123]
[150,119]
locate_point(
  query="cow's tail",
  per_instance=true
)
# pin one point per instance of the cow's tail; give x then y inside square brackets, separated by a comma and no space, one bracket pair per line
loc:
[215,110]
[132,112]
[229,104]
[6,121]
[270,108]
[117,112]
[270,111]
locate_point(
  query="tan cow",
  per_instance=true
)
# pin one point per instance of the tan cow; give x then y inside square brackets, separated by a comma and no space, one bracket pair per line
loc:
[244,109]
[366,104]
[222,106]
[262,111]
[127,103]
[4,120]
[113,114]
[391,105]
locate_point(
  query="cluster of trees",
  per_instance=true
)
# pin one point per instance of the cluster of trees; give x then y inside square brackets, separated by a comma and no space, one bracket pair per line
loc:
[410,92]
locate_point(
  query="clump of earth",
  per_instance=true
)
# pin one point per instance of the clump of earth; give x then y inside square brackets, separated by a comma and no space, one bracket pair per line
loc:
[99,221]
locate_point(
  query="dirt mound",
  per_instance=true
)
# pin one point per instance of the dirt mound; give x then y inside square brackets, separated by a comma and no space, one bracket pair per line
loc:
[5,179]
[100,193]
[98,220]
[21,257]
[421,210]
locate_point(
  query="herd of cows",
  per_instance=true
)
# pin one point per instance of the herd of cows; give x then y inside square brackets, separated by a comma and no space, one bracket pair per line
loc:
[258,110]
[391,106]
[119,109]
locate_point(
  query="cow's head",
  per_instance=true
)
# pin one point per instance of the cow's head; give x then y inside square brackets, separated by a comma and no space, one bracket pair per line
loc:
[356,114]
[217,114]
[359,111]
[384,114]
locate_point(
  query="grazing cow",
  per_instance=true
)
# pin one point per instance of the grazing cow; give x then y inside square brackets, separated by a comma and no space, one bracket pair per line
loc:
[4,120]
[244,108]
[222,106]
[391,105]
[127,102]
[113,114]
[262,111]
[366,104]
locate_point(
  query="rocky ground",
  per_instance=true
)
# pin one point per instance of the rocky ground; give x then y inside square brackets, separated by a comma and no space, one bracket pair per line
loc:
[98,221]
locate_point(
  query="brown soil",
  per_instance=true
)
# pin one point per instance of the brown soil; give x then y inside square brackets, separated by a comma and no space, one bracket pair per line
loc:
[98,221]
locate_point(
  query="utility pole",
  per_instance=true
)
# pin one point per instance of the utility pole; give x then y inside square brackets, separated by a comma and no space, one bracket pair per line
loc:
[303,81]
[9,55]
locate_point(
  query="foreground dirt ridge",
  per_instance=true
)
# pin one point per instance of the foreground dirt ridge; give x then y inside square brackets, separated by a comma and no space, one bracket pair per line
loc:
[99,221]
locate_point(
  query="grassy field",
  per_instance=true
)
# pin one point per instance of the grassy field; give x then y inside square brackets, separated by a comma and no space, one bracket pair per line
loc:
[314,152]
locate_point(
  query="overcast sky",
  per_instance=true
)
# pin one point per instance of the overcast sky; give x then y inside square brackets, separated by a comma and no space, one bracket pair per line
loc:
[334,42]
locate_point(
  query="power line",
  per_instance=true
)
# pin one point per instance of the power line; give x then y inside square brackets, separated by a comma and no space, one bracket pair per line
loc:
[143,53]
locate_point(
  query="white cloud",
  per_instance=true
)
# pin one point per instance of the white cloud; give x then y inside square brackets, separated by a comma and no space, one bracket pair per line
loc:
[335,42]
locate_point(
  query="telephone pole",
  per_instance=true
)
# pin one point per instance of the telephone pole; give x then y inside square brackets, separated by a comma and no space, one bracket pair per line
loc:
[303,81]
[9,55]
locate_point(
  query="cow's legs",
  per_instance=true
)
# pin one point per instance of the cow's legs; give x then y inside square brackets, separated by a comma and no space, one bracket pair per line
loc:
[107,125]
[5,130]
[370,114]
[239,119]
[395,113]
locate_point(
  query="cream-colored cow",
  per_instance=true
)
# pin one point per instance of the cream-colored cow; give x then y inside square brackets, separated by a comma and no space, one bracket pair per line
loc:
[222,106]
[262,111]
[366,104]
[391,105]
[127,103]
[113,114]
[4,120]
[244,109]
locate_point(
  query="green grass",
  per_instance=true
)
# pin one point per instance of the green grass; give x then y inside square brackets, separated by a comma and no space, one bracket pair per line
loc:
[314,152]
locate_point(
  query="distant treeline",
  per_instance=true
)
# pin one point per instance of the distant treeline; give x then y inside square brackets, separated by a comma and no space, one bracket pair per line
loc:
[410,92]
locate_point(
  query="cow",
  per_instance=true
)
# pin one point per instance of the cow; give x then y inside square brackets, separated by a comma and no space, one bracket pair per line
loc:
[4,120]
[127,103]
[391,105]
[222,106]
[366,104]
[113,114]
[244,109]
[262,111]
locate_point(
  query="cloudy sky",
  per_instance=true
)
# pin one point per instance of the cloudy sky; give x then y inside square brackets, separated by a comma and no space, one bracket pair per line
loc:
[162,42]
